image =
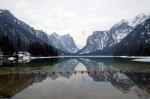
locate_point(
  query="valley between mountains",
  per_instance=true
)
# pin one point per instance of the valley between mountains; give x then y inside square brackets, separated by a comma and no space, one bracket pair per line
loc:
[130,37]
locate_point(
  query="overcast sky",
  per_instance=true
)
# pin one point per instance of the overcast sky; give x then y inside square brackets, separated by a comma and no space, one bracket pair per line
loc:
[79,18]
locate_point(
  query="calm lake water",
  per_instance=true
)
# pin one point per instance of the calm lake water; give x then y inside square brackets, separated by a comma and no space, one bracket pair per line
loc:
[67,78]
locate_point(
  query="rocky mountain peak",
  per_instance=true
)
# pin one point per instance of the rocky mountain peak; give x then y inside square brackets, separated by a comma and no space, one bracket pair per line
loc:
[94,42]
[64,42]
[3,11]
[123,21]
[108,39]
[140,16]
[137,42]
[137,20]
[54,34]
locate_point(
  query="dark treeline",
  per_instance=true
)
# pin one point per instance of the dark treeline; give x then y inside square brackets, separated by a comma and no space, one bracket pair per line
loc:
[35,48]
[38,49]
[142,50]
[7,46]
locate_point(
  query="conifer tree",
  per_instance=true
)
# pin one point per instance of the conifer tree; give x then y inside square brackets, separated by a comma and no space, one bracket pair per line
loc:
[12,49]
[18,47]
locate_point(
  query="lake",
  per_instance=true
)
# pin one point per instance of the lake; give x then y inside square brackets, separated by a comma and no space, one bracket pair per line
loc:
[75,78]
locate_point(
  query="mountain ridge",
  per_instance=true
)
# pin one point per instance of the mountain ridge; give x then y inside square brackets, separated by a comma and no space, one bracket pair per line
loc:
[41,35]
[64,42]
[98,41]
[137,42]
[113,36]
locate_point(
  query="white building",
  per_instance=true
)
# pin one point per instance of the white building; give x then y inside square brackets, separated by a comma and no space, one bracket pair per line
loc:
[24,55]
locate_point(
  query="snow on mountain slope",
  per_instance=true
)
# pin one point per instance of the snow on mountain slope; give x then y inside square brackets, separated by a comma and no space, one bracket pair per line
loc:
[122,29]
[137,42]
[9,26]
[117,33]
[113,36]
[94,42]
[43,36]
[38,33]
[137,20]
[65,42]
[11,17]
[28,33]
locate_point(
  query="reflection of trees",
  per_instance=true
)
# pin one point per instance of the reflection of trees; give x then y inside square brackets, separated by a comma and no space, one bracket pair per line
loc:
[12,84]
[135,83]
[113,64]
[138,83]
[127,82]
[30,63]
[142,80]
[32,66]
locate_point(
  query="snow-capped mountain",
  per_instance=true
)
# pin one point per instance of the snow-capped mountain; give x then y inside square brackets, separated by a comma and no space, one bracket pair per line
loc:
[38,33]
[117,33]
[137,20]
[11,26]
[11,17]
[137,42]
[65,42]
[122,29]
[94,42]
[113,36]
[43,36]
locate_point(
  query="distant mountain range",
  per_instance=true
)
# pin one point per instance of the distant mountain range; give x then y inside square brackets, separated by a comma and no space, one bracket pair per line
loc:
[128,34]
[94,42]
[65,42]
[104,40]
[13,27]
[137,42]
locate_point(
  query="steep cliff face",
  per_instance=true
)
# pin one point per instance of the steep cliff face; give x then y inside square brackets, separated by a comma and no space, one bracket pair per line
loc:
[64,42]
[14,28]
[108,39]
[137,42]
[94,42]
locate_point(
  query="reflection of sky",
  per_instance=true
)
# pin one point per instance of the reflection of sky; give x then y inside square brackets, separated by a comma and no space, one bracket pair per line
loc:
[80,67]
[78,86]
[82,86]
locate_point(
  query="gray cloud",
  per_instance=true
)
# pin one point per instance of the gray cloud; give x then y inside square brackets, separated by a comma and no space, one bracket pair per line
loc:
[77,17]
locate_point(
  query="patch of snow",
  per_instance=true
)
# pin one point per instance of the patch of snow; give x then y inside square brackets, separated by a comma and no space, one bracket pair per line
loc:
[119,23]
[137,20]
[64,42]
[120,76]
[11,58]
[142,60]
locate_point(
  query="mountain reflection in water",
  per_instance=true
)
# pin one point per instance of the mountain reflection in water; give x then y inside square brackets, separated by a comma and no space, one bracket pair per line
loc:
[134,85]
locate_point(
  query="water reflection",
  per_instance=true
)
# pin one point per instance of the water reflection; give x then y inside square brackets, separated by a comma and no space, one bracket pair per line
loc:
[132,85]
[114,64]
[69,64]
